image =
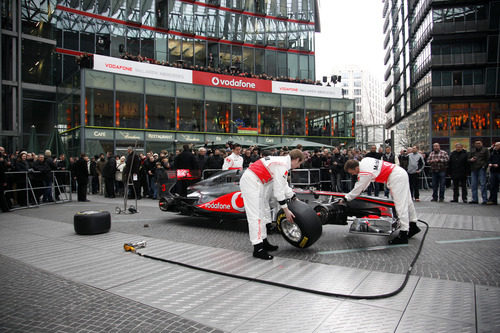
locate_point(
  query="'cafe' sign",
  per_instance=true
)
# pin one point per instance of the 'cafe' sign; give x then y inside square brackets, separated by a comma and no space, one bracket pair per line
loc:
[103,134]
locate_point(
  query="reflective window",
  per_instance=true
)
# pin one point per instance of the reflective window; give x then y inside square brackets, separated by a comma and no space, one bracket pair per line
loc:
[270,120]
[480,119]
[218,117]
[440,125]
[245,118]
[459,120]
[37,60]
[160,112]
[248,60]
[98,107]
[189,114]
[293,121]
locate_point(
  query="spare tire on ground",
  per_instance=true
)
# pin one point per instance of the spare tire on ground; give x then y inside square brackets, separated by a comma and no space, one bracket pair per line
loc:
[305,230]
[92,222]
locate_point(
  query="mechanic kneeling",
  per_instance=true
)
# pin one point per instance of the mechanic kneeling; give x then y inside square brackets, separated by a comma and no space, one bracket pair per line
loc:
[372,169]
[263,178]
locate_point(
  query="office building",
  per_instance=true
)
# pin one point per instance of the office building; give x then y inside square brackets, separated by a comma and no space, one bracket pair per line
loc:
[442,79]
[185,47]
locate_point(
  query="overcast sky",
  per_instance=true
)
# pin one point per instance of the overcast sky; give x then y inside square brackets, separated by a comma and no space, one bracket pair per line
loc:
[351,34]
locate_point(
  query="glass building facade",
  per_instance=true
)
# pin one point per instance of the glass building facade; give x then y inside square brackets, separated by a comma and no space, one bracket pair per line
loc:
[442,71]
[43,85]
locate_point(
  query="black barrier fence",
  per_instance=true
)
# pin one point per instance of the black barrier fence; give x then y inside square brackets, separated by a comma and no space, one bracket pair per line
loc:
[28,189]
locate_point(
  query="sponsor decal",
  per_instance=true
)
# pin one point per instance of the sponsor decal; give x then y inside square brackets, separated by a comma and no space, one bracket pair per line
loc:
[228,203]
[115,66]
[234,83]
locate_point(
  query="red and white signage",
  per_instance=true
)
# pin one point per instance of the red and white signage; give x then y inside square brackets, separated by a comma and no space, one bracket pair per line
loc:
[153,71]
[228,203]
[229,81]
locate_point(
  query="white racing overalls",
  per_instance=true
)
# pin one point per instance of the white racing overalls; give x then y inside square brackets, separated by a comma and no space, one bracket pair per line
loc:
[266,177]
[372,169]
[233,162]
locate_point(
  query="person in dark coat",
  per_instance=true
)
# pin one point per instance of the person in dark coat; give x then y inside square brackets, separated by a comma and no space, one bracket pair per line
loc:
[43,178]
[458,169]
[81,174]
[131,174]
[94,176]
[215,161]
[494,165]
[186,161]
[337,170]
[108,173]
[21,165]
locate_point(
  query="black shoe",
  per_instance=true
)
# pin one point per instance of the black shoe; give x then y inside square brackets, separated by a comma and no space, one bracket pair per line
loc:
[260,252]
[401,239]
[434,200]
[473,202]
[414,229]
[453,200]
[441,200]
[484,203]
[465,201]
[491,203]
[268,246]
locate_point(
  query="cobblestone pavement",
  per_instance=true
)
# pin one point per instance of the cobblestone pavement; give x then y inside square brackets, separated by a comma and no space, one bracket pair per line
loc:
[463,260]
[32,300]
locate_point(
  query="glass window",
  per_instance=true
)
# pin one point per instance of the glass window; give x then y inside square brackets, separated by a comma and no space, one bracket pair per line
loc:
[98,107]
[468,75]
[478,76]
[303,66]
[187,51]
[440,121]
[129,108]
[459,120]
[38,113]
[95,79]
[7,49]
[225,56]
[160,112]
[259,61]
[270,63]
[248,60]
[129,83]
[293,121]
[218,117]
[293,65]
[480,119]
[217,94]
[174,49]
[37,60]
[133,41]
[244,97]
[496,119]
[6,112]
[245,118]
[446,79]
[189,91]
[147,44]
[160,88]
[318,123]
[270,120]
[268,99]
[200,53]
[189,114]
[317,103]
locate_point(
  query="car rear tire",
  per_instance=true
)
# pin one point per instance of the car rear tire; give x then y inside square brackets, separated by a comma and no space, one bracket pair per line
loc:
[92,222]
[305,230]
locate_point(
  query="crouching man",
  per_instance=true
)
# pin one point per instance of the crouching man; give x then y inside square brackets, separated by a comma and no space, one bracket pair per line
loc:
[371,169]
[263,178]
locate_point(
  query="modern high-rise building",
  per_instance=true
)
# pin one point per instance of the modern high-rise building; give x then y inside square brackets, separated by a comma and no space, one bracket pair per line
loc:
[367,91]
[182,90]
[442,79]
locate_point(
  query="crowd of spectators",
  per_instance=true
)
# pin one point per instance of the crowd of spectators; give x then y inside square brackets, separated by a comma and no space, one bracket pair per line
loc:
[212,67]
[107,174]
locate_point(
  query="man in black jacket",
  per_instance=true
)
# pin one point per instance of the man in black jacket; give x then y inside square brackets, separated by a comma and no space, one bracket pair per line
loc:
[215,161]
[494,164]
[81,174]
[458,169]
[337,170]
[108,173]
[42,178]
[186,161]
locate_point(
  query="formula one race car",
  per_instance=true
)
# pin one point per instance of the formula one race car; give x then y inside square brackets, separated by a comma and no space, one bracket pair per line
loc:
[219,197]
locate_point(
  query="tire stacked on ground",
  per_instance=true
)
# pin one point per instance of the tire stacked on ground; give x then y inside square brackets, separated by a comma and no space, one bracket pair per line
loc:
[92,222]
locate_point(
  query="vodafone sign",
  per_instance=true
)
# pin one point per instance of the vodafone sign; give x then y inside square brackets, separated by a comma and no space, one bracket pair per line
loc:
[229,81]
[141,69]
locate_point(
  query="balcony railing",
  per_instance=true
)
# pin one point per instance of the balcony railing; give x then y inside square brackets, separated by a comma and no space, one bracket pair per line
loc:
[459,59]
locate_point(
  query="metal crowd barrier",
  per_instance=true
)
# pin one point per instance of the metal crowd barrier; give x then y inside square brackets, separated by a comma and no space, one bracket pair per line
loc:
[305,177]
[60,187]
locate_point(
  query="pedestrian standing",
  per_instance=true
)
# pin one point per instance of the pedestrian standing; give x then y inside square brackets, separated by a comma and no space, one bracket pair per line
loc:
[458,168]
[494,164]
[108,173]
[478,159]
[82,176]
[438,161]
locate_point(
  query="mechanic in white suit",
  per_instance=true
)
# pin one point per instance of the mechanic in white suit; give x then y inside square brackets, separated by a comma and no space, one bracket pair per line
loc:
[372,169]
[234,161]
[263,178]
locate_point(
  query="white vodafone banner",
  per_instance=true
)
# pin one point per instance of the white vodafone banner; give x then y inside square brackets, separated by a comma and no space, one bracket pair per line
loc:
[300,89]
[141,69]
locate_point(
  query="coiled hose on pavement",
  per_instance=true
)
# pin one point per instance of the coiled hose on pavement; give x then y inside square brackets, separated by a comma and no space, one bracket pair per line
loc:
[307,290]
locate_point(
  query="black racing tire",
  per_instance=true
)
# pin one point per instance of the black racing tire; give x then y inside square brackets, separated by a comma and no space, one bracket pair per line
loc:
[305,230]
[92,222]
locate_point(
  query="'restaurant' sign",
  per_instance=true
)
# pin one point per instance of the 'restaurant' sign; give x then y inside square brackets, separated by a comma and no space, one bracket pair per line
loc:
[153,71]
